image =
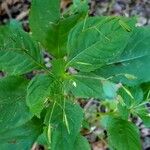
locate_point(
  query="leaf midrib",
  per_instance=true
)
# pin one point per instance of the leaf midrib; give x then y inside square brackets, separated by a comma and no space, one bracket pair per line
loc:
[105,36]
[126,60]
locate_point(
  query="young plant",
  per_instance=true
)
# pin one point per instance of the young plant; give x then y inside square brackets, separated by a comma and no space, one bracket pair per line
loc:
[110,59]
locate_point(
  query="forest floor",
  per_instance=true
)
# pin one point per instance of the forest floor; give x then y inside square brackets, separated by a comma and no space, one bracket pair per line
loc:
[19,9]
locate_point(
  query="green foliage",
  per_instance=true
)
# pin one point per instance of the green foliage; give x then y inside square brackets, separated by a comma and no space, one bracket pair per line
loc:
[80,6]
[64,121]
[19,53]
[12,101]
[21,137]
[43,20]
[51,26]
[105,58]
[122,134]
[131,66]
[38,92]
[89,85]
[81,143]
[108,41]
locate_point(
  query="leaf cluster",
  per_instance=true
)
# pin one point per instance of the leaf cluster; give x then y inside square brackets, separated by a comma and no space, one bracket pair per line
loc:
[109,57]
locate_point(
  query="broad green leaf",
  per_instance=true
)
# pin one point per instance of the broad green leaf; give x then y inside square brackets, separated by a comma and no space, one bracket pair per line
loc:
[80,6]
[88,85]
[96,42]
[109,90]
[14,111]
[22,137]
[131,67]
[122,134]
[19,54]
[43,18]
[39,91]
[123,111]
[52,28]
[58,68]
[57,36]
[131,96]
[81,143]
[42,139]
[146,119]
[64,125]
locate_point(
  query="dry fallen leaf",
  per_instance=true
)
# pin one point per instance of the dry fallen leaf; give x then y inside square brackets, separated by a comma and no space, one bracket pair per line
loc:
[65,3]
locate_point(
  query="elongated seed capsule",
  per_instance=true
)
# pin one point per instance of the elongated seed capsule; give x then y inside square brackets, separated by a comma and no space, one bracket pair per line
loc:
[125,25]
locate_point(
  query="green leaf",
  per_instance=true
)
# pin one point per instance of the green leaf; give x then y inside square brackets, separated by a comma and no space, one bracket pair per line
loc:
[64,121]
[52,28]
[14,111]
[109,89]
[122,135]
[131,67]
[19,54]
[95,42]
[131,95]
[38,93]
[146,120]
[57,36]
[81,143]
[142,111]
[43,21]
[58,68]
[87,86]
[123,111]
[42,139]
[80,6]
[146,88]
[22,137]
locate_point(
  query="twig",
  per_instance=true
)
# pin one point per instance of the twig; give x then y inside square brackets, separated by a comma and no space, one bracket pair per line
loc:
[22,15]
